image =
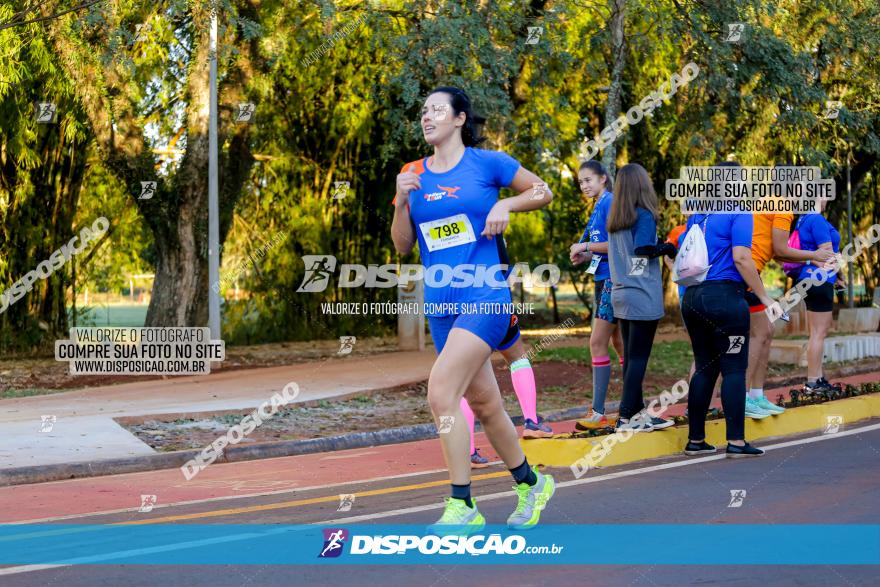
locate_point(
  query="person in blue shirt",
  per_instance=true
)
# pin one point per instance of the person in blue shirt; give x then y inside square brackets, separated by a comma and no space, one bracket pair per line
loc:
[817,233]
[593,249]
[637,290]
[716,316]
[448,203]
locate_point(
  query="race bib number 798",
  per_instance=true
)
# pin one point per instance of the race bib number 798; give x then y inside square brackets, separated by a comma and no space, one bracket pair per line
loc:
[447,232]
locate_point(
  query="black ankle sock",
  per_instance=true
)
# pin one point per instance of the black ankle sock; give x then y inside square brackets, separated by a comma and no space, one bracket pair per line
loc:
[524,474]
[463,492]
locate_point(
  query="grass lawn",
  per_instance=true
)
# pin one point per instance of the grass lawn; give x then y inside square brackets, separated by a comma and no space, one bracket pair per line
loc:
[672,358]
[12,393]
[131,315]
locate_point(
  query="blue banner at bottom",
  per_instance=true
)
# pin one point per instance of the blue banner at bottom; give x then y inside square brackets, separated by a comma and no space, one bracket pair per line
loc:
[352,544]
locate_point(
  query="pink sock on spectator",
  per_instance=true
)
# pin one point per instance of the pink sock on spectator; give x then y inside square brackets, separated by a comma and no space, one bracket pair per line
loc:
[523,378]
[469,417]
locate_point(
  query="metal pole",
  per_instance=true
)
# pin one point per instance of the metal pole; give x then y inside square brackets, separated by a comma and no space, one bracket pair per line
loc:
[213,206]
[849,230]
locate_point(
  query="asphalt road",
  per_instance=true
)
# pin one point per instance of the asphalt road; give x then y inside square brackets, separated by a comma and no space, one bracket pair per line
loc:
[835,480]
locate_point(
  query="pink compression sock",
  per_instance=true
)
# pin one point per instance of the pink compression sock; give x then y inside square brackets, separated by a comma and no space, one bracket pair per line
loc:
[469,417]
[523,378]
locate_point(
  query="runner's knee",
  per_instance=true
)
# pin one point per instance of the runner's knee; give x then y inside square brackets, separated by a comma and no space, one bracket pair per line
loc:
[443,399]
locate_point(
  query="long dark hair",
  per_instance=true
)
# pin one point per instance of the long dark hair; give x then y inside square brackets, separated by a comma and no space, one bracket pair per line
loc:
[634,189]
[470,132]
[599,170]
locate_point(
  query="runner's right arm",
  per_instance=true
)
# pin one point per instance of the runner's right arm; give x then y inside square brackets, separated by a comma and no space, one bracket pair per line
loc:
[403,232]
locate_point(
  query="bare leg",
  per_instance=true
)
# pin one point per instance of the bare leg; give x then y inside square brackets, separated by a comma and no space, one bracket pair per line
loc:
[461,359]
[484,398]
[760,338]
[819,323]
[603,333]
[514,352]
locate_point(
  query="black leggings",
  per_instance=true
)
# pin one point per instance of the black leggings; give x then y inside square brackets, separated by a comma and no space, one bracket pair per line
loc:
[716,316]
[638,338]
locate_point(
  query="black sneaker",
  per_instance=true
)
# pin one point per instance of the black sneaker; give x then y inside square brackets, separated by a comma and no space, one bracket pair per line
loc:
[698,448]
[660,423]
[821,386]
[747,450]
[828,384]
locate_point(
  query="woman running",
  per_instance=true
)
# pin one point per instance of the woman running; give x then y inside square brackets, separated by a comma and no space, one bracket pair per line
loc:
[637,290]
[448,204]
[817,233]
[523,378]
[593,249]
[716,315]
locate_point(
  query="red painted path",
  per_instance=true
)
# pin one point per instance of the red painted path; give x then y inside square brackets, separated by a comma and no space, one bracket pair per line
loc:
[119,492]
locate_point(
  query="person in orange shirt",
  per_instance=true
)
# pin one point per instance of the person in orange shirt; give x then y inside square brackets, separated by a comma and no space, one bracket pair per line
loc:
[769,239]
[674,237]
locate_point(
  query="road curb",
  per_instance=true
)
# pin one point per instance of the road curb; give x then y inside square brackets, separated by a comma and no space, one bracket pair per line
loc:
[567,452]
[232,454]
[285,448]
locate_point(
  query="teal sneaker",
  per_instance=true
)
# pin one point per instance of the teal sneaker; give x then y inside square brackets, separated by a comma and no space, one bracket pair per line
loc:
[532,501]
[754,411]
[768,406]
[458,519]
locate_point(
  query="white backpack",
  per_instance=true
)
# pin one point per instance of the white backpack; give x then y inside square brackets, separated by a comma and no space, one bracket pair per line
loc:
[692,261]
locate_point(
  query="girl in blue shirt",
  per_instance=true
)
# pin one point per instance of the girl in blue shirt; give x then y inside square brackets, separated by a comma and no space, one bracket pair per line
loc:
[593,249]
[448,203]
[817,233]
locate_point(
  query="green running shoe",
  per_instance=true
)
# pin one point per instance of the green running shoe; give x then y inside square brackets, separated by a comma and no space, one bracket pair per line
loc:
[458,519]
[754,411]
[532,500]
[768,406]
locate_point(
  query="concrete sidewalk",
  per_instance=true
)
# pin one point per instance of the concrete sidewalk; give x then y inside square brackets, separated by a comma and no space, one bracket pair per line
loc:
[84,429]
[288,474]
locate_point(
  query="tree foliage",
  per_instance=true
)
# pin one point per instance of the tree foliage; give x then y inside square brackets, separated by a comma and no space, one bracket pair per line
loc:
[338,86]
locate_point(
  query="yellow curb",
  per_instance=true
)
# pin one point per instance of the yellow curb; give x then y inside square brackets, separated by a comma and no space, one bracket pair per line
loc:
[563,452]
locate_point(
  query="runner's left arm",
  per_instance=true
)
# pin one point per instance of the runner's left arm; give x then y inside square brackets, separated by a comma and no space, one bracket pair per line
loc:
[532,193]
[783,252]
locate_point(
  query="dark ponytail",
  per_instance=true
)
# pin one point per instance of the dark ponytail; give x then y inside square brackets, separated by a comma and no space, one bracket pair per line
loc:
[470,132]
[599,170]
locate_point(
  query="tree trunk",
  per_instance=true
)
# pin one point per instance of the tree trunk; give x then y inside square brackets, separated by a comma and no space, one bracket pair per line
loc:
[555,307]
[615,89]
[177,213]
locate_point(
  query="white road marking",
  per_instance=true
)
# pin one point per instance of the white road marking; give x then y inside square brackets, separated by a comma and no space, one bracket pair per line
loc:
[352,456]
[607,477]
[402,511]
